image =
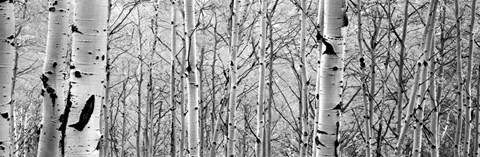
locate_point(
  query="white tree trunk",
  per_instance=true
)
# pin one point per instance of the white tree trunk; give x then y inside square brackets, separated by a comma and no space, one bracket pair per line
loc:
[52,78]
[261,86]
[191,70]
[81,119]
[331,79]
[7,55]
[304,84]
[233,80]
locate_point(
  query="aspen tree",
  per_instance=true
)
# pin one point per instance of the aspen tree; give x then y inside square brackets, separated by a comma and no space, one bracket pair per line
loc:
[81,119]
[261,86]
[105,106]
[139,79]
[215,122]
[267,147]
[52,78]
[173,149]
[191,71]
[331,78]
[425,60]
[233,80]
[468,95]
[477,119]
[367,116]
[200,102]
[458,128]
[319,28]
[7,55]
[183,76]
[401,61]
[304,85]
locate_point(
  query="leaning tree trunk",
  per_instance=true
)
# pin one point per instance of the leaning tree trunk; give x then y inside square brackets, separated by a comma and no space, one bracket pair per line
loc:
[233,80]
[469,105]
[304,84]
[261,79]
[52,78]
[81,118]
[192,110]
[331,78]
[401,90]
[7,55]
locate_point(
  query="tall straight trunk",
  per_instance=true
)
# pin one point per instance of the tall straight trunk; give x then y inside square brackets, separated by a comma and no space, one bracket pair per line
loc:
[191,71]
[52,79]
[331,78]
[124,116]
[201,109]
[426,59]
[319,29]
[139,77]
[261,80]
[267,147]
[173,145]
[401,88]
[233,80]
[105,105]
[81,119]
[469,105]
[214,121]
[7,55]
[367,116]
[458,129]
[436,95]
[304,85]
[182,104]
[477,119]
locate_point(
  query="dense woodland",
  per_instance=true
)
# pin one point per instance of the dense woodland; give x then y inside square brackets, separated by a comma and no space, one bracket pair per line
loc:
[239,78]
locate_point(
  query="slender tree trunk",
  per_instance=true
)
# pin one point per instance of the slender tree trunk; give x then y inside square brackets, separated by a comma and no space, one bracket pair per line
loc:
[7,55]
[81,119]
[124,115]
[401,87]
[173,149]
[139,77]
[459,98]
[233,80]
[201,115]
[214,121]
[193,108]
[267,148]
[52,79]
[304,85]
[261,80]
[331,78]
[426,59]
[469,96]
[475,133]
[319,28]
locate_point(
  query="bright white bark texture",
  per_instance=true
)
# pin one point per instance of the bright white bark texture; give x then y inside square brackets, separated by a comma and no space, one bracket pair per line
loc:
[303,78]
[81,119]
[52,78]
[233,80]
[7,55]
[319,29]
[261,86]
[331,78]
[469,106]
[172,80]
[191,70]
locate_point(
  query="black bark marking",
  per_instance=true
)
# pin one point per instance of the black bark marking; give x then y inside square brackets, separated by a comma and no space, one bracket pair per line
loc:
[85,115]
[322,132]
[103,57]
[328,48]
[44,80]
[72,66]
[54,64]
[338,107]
[4,115]
[54,3]
[362,62]
[64,119]
[77,74]
[335,68]
[10,37]
[345,18]
[99,144]
[51,9]
[75,29]
[318,142]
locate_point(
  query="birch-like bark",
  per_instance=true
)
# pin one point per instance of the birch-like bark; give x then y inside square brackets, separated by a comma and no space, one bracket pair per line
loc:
[52,79]
[401,61]
[173,145]
[468,95]
[261,80]
[191,71]
[231,140]
[477,119]
[81,119]
[267,147]
[319,29]
[215,122]
[304,85]
[7,55]
[331,78]
[201,109]
[458,128]
[421,96]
